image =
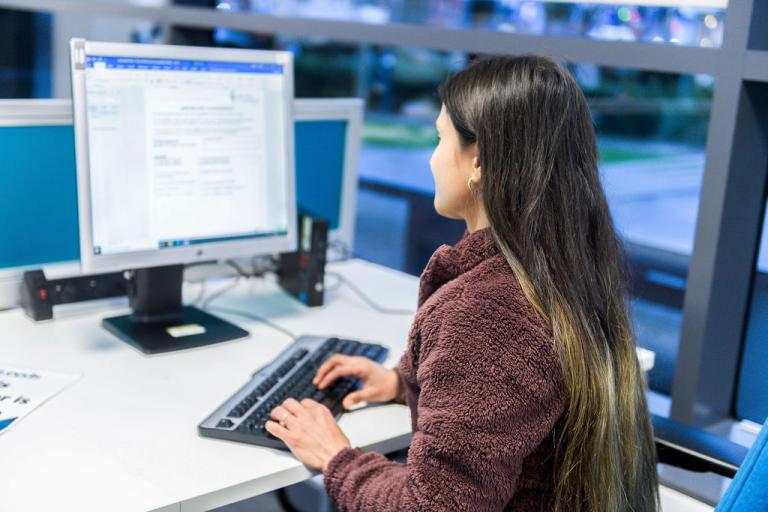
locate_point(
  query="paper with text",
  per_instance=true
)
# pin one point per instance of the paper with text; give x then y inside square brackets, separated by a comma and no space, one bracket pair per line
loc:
[23,390]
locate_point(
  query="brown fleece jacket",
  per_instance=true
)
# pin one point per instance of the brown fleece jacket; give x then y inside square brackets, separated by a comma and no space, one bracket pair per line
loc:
[485,390]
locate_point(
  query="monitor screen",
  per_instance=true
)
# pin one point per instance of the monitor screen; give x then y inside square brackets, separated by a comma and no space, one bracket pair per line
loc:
[38,196]
[184,152]
[320,152]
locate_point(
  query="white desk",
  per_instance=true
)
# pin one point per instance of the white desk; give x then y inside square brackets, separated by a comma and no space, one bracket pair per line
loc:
[124,437]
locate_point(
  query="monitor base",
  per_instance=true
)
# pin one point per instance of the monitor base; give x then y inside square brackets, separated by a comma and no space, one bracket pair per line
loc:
[193,328]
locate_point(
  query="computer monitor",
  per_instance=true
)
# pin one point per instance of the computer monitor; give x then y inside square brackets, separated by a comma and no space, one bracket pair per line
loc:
[328,135]
[327,143]
[38,191]
[183,154]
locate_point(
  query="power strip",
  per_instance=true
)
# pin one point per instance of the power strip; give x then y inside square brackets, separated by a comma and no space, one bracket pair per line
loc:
[39,295]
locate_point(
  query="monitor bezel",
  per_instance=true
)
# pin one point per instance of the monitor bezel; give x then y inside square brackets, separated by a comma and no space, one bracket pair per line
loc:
[90,262]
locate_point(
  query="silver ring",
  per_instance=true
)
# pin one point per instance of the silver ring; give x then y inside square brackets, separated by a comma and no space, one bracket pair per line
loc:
[282,421]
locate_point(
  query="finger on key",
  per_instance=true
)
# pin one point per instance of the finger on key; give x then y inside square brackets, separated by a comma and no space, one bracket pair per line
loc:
[280,432]
[293,406]
[327,366]
[337,372]
[278,413]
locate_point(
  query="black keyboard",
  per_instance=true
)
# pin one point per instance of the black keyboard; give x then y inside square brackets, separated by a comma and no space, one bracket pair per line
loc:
[289,375]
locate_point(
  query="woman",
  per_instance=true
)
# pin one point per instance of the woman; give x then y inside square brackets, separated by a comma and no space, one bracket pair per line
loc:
[520,371]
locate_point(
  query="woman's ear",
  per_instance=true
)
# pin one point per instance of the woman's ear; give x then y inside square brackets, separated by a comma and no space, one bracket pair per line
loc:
[477,171]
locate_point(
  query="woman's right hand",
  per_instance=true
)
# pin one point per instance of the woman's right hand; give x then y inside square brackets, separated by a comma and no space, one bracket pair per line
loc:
[378,383]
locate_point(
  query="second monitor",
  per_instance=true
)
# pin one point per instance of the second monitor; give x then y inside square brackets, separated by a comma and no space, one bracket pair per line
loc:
[328,136]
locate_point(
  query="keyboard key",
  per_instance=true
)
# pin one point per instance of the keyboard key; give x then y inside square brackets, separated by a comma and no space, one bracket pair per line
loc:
[291,377]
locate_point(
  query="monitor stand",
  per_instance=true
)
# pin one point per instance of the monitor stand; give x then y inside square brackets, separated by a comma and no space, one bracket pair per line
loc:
[159,322]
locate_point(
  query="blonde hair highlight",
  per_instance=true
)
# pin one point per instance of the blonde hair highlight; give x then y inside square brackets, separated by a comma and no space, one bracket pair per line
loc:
[603,402]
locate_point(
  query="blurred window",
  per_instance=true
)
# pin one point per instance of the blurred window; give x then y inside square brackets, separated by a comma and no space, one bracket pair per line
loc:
[752,392]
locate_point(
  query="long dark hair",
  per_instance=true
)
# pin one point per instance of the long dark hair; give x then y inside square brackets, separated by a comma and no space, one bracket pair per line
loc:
[548,214]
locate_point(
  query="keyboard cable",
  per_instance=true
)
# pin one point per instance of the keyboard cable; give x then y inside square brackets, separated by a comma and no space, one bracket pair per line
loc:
[251,316]
[206,305]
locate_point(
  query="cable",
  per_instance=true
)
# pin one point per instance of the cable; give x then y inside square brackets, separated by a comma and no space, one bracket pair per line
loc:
[341,248]
[256,271]
[258,318]
[241,274]
[239,269]
[333,286]
[219,293]
[368,300]
[266,265]
[201,294]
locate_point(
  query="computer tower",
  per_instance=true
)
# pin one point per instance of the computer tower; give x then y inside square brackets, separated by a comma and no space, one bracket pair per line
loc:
[302,272]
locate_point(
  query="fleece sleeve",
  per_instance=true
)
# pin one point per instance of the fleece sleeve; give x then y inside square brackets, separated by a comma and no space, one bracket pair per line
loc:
[490,392]
[400,397]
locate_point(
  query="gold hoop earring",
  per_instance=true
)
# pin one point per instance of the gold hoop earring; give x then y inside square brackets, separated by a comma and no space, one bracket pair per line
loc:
[469,185]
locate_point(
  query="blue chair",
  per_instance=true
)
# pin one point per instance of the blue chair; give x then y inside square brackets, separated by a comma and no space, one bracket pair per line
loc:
[695,450]
[749,490]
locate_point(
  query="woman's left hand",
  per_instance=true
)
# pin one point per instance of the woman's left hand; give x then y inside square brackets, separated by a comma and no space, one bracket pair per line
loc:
[309,430]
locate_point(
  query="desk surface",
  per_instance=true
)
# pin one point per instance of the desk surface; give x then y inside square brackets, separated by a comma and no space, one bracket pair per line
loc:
[124,437]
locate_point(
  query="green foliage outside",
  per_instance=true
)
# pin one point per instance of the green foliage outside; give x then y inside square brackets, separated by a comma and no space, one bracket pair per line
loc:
[394,134]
